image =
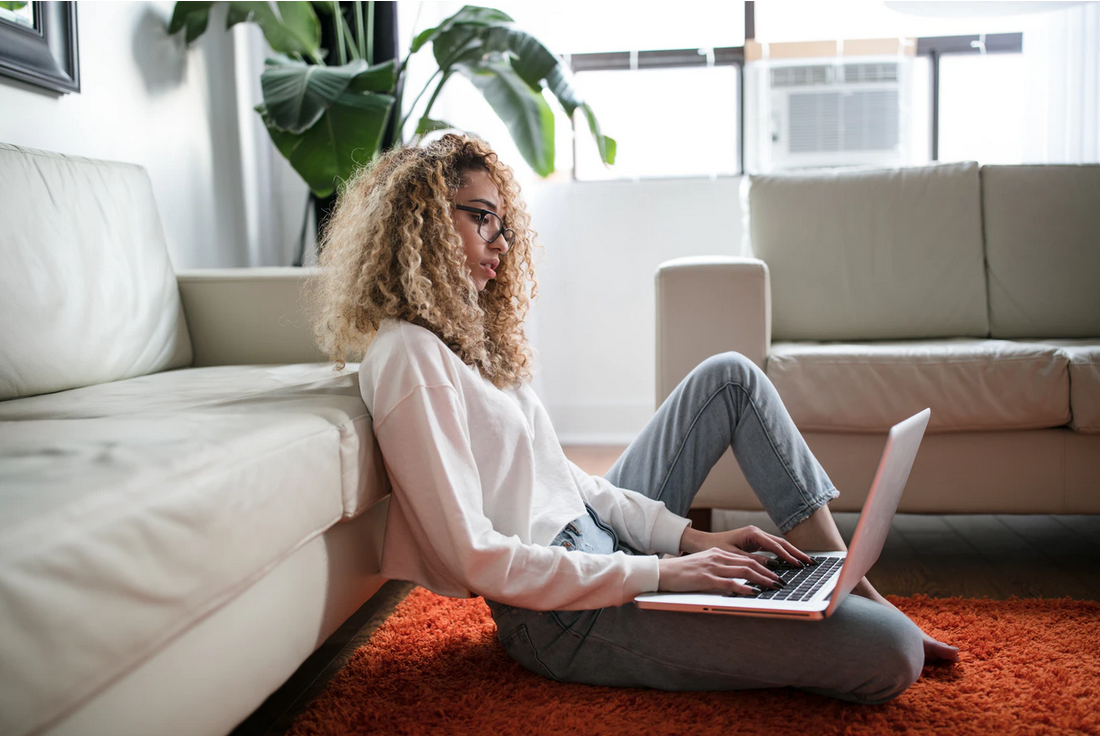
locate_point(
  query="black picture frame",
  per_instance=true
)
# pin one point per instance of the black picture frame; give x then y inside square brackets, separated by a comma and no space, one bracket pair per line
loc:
[46,56]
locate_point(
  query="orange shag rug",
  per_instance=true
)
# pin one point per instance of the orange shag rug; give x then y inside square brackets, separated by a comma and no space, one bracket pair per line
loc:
[435,667]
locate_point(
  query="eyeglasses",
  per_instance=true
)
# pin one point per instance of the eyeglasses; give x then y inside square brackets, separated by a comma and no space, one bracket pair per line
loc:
[489,225]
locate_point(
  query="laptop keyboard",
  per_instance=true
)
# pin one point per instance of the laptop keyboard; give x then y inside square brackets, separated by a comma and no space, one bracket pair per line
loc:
[801,583]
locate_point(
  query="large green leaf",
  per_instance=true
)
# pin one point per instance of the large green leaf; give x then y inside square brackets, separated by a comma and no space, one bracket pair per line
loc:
[193,16]
[346,136]
[471,15]
[462,43]
[378,78]
[427,125]
[466,44]
[13,4]
[606,144]
[529,57]
[294,30]
[526,113]
[296,94]
[559,83]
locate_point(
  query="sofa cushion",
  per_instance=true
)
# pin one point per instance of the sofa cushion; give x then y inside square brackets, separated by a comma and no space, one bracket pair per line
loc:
[1042,241]
[134,509]
[1084,382]
[87,290]
[968,384]
[872,255]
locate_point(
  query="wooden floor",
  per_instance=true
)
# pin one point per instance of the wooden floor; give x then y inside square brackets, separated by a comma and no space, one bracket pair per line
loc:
[971,556]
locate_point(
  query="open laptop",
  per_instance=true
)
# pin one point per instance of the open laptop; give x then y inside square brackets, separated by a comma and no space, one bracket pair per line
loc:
[816,591]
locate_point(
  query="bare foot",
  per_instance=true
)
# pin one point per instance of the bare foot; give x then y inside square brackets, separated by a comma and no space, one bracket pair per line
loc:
[934,650]
[938,651]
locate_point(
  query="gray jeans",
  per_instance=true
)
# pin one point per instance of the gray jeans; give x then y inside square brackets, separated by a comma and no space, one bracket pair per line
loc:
[865,652]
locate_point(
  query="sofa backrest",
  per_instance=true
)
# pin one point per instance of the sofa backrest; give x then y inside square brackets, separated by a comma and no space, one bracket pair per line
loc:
[872,254]
[1042,248]
[87,292]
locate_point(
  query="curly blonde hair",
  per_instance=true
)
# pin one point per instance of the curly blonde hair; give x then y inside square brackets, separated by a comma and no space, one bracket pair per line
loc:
[391,250]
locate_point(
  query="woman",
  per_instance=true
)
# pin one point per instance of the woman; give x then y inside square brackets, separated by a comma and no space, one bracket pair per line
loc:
[426,267]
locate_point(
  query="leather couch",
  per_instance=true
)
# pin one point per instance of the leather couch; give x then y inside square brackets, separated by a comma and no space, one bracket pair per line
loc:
[191,500]
[872,294]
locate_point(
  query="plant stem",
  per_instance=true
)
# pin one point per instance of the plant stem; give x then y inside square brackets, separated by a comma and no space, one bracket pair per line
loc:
[338,19]
[446,76]
[352,46]
[370,32]
[401,125]
[359,29]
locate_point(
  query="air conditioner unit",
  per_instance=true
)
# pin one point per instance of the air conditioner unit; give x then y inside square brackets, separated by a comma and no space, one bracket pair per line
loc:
[805,113]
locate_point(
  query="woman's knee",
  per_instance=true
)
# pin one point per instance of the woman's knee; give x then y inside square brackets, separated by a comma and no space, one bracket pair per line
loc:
[728,367]
[874,652]
[896,654]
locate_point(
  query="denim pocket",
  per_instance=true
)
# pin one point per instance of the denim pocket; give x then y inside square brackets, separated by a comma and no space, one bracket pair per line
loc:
[519,647]
[577,623]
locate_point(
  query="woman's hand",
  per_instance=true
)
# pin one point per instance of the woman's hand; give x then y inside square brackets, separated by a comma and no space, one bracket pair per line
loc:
[714,569]
[744,540]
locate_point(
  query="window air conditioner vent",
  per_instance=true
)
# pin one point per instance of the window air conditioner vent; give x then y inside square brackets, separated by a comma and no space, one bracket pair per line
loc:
[802,76]
[822,122]
[882,72]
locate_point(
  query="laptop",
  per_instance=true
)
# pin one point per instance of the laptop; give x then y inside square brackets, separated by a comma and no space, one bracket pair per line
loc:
[815,591]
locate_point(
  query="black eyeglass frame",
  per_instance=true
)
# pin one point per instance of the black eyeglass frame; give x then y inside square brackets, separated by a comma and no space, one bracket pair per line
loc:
[509,233]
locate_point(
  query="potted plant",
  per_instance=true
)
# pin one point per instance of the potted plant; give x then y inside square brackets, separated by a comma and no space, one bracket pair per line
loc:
[328,119]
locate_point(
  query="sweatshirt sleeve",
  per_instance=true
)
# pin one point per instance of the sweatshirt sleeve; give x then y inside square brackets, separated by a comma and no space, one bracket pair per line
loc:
[642,522]
[426,445]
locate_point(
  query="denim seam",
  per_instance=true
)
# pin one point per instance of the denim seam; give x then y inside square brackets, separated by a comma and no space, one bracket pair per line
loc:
[566,629]
[807,499]
[802,514]
[535,652]
[683,444]
[601,525]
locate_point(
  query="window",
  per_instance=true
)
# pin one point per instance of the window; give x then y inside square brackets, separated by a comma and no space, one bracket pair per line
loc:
[868,82]
[667,122]
[982,108]
[688,121]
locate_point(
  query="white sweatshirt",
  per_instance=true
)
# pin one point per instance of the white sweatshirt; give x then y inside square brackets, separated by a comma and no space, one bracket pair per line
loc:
[481,487]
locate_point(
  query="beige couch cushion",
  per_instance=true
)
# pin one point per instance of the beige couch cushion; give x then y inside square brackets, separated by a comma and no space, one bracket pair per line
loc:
[1042,234]
[87,291]
[872,255]
[969,384]
[1084,382]
[134,509]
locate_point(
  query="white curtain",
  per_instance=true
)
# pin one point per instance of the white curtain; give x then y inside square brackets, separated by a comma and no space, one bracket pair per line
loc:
[1063,53]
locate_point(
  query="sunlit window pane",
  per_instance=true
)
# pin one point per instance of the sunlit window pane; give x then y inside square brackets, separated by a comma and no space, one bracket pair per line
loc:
[667,122]
[813,20]
[591,27]
[982,108]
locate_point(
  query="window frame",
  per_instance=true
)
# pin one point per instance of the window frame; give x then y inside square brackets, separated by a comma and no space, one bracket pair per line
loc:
[933,47]
[673,58]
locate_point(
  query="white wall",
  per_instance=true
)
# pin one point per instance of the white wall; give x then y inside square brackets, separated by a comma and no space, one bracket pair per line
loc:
[593,323]
[145,99]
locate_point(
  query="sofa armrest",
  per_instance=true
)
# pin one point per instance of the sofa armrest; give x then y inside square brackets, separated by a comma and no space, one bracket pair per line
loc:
[247,316]
[708,305]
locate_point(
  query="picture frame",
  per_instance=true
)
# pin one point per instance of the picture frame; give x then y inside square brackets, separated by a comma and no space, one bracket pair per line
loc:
[44,51]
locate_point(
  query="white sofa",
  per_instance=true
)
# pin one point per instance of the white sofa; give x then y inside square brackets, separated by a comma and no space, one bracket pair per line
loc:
[191,500]
[873,294]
